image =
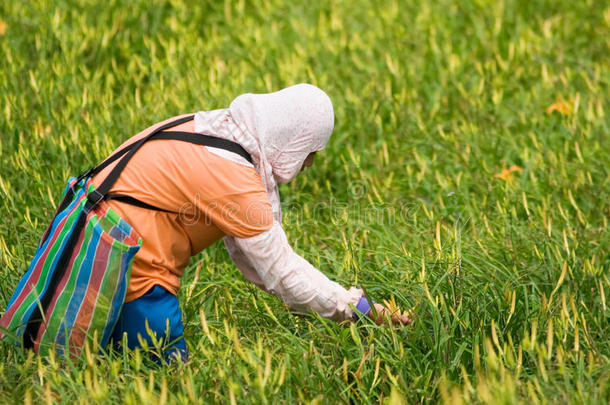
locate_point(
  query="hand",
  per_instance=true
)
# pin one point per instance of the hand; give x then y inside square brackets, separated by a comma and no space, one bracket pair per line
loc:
[397,318]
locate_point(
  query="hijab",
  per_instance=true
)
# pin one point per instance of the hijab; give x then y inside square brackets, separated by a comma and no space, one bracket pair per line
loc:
[279,130]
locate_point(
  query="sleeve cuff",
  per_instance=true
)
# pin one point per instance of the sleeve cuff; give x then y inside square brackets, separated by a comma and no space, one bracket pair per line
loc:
[362,308]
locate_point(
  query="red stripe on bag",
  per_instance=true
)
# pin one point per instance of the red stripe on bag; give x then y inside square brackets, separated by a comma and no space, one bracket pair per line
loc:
[85,313]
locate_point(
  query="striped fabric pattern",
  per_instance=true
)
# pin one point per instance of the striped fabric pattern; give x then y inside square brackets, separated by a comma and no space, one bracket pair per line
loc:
[92,288]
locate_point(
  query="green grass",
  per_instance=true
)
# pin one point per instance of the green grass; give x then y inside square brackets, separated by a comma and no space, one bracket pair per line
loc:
[509,279]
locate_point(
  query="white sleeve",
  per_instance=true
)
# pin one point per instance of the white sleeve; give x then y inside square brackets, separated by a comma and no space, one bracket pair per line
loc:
[242,263]
[268,260]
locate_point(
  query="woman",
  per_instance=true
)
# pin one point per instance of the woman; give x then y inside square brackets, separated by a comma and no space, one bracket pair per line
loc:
[206,193]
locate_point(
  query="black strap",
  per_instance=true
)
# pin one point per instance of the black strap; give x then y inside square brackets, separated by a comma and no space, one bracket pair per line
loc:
[190,137]
[198,139]
[127,148]
[206,140]
[98,194]
[133,201]
[101,192]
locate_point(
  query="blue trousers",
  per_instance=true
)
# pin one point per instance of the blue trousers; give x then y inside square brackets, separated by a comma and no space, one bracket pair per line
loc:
[160,309]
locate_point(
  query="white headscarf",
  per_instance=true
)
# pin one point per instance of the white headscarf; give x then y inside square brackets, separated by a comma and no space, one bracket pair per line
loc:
[277,129]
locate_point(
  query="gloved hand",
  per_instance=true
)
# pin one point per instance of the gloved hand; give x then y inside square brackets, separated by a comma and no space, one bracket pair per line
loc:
[379,313]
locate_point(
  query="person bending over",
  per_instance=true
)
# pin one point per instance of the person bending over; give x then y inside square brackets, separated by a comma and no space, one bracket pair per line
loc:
[205,193]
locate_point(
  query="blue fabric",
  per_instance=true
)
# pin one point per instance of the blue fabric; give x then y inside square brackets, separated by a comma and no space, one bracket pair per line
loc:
[363,307]
[157,306]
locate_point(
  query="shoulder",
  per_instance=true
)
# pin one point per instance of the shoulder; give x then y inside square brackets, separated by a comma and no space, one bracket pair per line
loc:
[239,205]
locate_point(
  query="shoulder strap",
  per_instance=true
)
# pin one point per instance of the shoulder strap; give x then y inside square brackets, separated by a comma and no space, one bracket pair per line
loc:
[198,139]
[90,172]
[133,201]
[206,140]
[127,148]
[101,192]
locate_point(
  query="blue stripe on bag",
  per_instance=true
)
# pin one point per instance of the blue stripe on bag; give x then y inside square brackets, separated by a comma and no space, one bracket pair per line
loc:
[84,273]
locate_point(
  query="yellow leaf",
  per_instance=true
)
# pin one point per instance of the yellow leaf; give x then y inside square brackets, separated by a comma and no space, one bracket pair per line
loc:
[507,174]
[561,106]
[2,28]
[391,306]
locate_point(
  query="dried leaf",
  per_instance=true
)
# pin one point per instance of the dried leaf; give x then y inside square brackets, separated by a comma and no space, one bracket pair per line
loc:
[561,106]
[358,373]
[2,28]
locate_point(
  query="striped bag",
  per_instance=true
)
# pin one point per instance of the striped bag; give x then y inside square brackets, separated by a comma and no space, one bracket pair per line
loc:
[76,283]
[78,277]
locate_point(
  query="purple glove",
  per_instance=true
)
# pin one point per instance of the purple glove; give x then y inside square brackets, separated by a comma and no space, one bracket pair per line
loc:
[363,307]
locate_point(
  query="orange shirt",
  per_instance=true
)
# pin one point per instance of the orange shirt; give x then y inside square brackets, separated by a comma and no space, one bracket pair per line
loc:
[207,197]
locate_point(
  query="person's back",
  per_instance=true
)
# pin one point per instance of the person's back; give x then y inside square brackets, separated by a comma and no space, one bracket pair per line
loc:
[204,197]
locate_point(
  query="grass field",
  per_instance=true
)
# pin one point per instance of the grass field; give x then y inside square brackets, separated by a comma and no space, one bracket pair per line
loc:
[507,270]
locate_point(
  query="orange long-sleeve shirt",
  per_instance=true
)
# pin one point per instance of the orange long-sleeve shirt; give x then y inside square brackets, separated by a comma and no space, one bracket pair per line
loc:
[207,196]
